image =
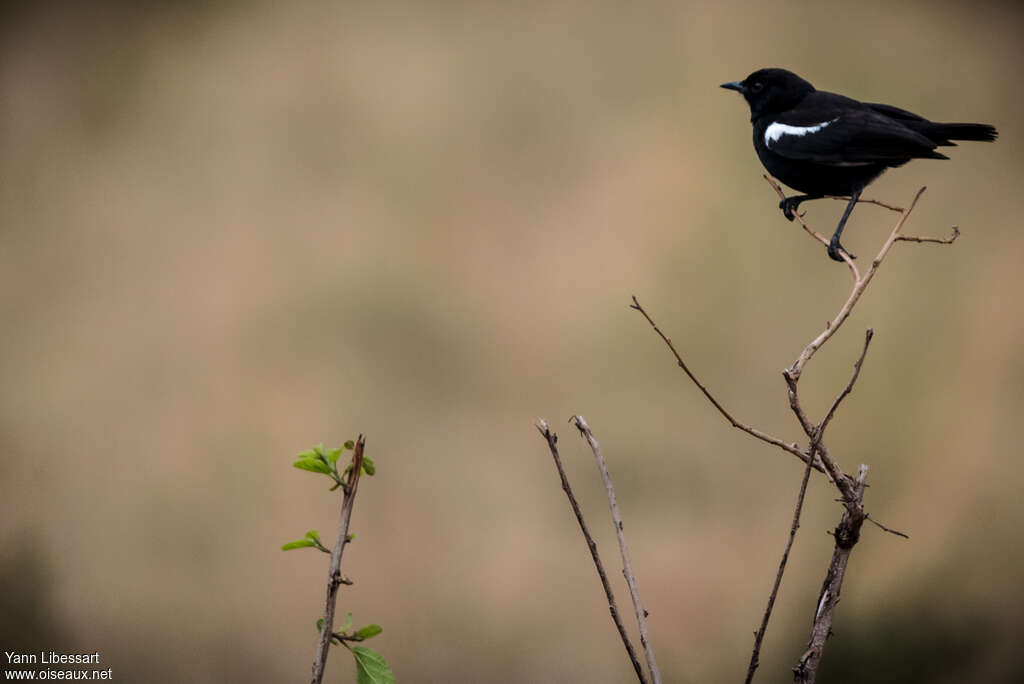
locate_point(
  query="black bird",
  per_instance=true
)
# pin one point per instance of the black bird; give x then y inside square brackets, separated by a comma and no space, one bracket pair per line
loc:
[826,144]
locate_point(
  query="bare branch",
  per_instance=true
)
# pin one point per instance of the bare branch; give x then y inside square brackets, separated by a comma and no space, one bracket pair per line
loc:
[868,335]
[828,464]
[754,432]
[552,440]
[858,289]
[334,578]
[627,565]
[942,241]
[846,535]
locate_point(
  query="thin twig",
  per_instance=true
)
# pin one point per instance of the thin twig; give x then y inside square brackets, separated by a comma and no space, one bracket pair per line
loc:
[754,432]
[868,335]
[941,241]
[866,200]
[627,565]
[334,578]
[552,440]
[888,529]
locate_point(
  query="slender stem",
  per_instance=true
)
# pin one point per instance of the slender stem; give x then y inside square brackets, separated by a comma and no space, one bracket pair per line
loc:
[627,565]
[754,432]
[552,440]
[334,579]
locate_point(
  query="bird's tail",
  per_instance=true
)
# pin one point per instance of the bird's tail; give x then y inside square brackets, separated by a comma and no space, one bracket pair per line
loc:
[945,133]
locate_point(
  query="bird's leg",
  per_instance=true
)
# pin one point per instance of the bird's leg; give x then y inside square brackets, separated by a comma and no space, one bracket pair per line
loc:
[790,204]
[833,244]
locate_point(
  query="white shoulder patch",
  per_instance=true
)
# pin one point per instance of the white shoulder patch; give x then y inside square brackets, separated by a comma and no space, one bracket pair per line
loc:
[777,130]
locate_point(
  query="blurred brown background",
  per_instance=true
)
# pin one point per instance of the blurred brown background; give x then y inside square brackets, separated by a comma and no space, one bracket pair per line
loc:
[229,231]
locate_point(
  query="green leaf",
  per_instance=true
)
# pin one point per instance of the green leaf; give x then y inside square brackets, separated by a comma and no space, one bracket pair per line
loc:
[348,623]
[368,631]
[371,667]
[319,625]
[313,534]
[319,449]
[300,544]
[308,453]
[368,467]
[333,455]
[313,465]
[351,536]
[350,444]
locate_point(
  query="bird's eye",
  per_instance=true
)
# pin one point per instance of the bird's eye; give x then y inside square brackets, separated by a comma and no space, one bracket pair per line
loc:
[756,87]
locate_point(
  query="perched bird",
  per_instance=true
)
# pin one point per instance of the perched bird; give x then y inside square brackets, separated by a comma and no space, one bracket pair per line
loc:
[826,144]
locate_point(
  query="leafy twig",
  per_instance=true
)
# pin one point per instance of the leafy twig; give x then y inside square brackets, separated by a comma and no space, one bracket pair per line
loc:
[334,579]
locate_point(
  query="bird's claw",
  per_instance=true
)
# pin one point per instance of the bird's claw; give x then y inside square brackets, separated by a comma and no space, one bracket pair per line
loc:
[834,251]
[789,206]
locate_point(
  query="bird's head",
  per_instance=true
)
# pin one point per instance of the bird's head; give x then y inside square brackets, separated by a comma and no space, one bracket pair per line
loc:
[771,90]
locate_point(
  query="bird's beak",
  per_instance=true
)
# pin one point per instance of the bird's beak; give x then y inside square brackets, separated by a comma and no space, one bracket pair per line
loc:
[734,85]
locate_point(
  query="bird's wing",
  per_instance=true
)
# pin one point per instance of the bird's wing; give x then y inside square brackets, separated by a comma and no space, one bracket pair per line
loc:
[895,112]
[846,136]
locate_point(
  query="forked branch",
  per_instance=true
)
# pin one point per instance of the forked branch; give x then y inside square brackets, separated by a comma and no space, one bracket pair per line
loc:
[851,489]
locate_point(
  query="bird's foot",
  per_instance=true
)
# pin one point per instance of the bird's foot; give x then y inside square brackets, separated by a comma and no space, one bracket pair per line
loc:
[790,205]
[834,250]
